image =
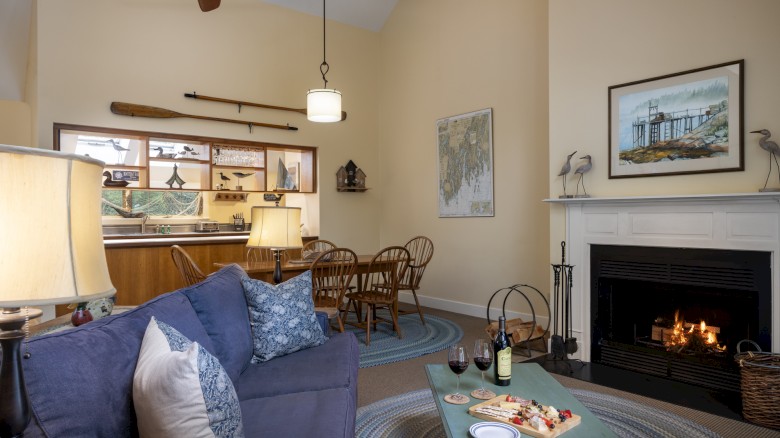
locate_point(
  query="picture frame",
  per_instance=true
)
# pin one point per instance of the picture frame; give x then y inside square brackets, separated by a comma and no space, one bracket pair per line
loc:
[683,123]
[465,164]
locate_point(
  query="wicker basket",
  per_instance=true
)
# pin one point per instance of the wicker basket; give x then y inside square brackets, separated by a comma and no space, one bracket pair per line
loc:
[760,377]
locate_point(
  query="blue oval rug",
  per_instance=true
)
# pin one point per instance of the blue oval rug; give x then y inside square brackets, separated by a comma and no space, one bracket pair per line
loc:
[414,414]
[437,334]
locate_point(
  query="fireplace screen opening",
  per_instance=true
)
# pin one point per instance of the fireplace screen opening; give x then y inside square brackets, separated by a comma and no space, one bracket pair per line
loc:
[678,313]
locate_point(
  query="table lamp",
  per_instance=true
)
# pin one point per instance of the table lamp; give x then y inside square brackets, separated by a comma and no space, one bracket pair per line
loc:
[51,252]
[278,229]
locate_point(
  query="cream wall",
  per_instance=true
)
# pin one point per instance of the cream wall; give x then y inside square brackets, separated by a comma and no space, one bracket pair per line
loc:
[15,123]
[598,43]
[441,58]
[151,52]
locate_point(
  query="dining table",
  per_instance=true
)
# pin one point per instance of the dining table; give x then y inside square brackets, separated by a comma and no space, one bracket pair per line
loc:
[264,270]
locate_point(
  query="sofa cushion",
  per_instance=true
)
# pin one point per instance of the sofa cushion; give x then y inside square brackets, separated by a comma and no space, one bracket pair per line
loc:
[80,380]
[179,389]
[282,317]
[222,309]
[334,363]
[328,413]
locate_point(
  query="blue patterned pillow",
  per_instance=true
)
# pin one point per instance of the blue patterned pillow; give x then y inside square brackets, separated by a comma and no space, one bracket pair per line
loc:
[282,317]
[180,389]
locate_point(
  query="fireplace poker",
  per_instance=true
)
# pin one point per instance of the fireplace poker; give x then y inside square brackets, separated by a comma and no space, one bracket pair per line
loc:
[556,340]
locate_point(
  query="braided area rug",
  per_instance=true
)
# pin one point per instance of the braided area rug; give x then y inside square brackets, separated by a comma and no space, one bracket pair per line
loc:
[414,414]
[437,334]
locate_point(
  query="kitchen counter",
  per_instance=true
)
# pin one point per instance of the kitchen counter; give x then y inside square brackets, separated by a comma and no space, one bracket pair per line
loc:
[142,240]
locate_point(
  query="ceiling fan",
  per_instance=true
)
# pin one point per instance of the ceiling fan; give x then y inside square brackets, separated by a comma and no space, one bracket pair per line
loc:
[208,5]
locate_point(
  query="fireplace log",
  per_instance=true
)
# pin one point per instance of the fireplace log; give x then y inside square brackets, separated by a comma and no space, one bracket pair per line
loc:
[517,329]
[664,334]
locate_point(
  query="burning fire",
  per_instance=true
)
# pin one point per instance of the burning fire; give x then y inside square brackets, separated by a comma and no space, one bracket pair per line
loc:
[692,336]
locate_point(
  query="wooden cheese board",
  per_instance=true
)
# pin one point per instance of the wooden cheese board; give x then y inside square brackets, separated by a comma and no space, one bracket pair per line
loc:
[560,427]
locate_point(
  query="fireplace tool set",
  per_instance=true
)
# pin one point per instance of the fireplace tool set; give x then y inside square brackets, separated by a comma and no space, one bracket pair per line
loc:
[564,344]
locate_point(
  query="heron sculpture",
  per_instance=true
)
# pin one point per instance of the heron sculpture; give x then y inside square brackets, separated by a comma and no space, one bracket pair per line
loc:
[565,171]
[581,170]
[770,146]
[118,148]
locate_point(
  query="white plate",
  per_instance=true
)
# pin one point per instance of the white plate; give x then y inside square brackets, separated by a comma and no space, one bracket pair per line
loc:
[492,429]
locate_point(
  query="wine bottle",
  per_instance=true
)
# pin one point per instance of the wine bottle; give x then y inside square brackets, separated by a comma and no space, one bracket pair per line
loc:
[503,354]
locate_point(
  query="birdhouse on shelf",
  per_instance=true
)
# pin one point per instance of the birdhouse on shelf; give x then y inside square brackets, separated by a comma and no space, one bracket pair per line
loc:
[350,178]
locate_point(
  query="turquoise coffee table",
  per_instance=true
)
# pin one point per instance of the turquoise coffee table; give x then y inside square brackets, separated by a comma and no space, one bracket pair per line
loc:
[529,380]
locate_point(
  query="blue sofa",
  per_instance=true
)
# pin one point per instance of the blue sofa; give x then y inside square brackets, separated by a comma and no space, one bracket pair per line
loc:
[80,380]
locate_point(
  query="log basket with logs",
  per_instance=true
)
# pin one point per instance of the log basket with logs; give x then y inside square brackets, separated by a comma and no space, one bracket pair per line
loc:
[528,334]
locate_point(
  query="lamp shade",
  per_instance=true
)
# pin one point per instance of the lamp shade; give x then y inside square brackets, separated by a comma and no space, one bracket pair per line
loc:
[51,236]
[323,105]
[275,228]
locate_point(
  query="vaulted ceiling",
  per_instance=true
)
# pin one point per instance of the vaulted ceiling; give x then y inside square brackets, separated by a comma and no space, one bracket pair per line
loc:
[15,16]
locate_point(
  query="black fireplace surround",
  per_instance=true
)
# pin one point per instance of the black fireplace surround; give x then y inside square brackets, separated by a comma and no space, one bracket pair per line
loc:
[633,287]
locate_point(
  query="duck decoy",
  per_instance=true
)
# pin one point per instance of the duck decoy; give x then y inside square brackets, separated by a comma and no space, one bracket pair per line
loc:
[109,182]
[770,146]
[581,171]
[565,171]
[161,154]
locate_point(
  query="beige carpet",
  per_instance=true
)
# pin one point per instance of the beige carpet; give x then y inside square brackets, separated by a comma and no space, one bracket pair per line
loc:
[379,382]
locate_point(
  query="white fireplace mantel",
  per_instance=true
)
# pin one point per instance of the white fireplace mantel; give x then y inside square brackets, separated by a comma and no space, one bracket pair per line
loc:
[735,221]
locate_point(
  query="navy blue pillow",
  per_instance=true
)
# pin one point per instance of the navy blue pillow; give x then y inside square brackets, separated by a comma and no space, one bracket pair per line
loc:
[221,307]
[282,317]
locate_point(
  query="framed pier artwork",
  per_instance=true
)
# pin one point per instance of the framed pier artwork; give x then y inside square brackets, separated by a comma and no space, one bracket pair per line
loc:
[681,123]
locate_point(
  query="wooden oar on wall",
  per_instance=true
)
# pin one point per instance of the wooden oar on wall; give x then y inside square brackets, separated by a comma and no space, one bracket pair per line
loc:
[241,103]
[134,110]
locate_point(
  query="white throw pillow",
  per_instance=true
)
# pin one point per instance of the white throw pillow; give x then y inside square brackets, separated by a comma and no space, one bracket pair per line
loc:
[181,390]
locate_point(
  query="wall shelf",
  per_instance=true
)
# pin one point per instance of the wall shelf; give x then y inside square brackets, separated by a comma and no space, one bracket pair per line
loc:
[231,196]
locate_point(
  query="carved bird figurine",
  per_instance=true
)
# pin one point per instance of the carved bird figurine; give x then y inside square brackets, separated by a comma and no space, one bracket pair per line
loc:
[109,182]
[224,178]
[190,150]
[161,154]
[581,170]
[770,146]
[565,171]
[240,175]
[118,148]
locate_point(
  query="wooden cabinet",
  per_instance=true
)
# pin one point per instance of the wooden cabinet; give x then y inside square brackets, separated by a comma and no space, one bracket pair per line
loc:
[141,270]
[160,161]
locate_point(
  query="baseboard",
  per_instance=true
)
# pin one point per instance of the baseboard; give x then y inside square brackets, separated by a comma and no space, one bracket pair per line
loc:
[468,309]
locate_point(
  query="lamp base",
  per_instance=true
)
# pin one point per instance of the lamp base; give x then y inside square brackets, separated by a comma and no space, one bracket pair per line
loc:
[14,403]
[277,266]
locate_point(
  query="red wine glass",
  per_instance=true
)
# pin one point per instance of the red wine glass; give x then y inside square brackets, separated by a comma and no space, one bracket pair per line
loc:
[483,358]
[458,360]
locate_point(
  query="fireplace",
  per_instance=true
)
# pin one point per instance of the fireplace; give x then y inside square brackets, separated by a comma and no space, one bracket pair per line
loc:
[743,222]
[678,313]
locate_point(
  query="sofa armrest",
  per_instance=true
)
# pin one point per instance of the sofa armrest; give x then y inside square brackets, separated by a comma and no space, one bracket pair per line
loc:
[322,318]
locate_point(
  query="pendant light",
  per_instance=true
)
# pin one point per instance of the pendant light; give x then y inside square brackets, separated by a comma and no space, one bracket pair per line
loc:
[323,104]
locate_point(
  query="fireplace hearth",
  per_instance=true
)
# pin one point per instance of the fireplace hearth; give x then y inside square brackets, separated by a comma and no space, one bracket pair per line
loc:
[637,294]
